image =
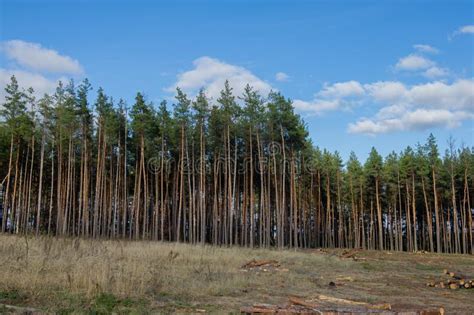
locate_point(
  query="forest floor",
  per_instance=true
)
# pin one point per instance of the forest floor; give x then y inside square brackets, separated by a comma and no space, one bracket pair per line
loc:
[70,275]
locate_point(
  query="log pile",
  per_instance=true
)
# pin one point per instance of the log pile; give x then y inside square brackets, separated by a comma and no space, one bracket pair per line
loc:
[455,280]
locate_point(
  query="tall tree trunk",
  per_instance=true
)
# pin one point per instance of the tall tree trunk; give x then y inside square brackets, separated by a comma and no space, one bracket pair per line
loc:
[438,230]
[40,188]
[379,214]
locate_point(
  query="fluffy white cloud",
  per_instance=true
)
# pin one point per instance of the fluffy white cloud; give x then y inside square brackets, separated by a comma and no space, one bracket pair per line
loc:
[281,76]
[419,119]
[421,65]
[435,72]
[36,57]
[466,29]
[413,62]
[458,95]
[426,48]
[36,67]
[386,91]
[317,106]
[337,96]
[400,107]
[26,79]
[430,105]
[343,89]
[210,74]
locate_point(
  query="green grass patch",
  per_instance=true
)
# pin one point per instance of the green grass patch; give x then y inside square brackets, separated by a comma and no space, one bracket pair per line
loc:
[106,303]
[12,296]
[427,267]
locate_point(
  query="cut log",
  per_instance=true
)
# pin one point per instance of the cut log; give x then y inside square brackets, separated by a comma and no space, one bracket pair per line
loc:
[385,306]
[256,310]
[432,312]
[454,286]
[457,275]
[299,301]
[339,300]
[260,308]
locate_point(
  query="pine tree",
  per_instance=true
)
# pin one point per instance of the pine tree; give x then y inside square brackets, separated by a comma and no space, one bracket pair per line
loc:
[373,168]
[433,157]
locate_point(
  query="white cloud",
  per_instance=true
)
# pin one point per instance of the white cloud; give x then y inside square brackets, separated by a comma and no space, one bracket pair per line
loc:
[337,96]
[36,67]
[422,65]
[281,77]
[386,91]
[419,119]
[413,62]
[458,95]
[400,107]
[36,57]
[466,29]
[26,79]
[391,111]
[210,74]
[342,89]
[370,127]
[426,48]
[420,107]
[317,106]
[435,72]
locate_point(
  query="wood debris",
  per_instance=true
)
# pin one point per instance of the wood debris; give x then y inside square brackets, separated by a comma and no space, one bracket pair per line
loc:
[19,309]
[299,301]
[351,254]
[263,265]
[298,305]
[455,281]
[348,253]
[335,300]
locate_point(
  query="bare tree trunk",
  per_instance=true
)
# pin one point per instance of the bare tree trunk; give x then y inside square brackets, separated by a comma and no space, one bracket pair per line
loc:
[40,188]
[379,214]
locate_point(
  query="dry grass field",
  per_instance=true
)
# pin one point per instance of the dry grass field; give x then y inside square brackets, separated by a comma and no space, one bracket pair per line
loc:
[101,277]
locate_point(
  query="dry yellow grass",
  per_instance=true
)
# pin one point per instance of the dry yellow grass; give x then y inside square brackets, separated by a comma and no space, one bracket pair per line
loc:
[100,276]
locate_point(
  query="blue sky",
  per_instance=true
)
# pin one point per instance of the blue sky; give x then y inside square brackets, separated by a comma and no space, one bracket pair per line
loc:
[361,73]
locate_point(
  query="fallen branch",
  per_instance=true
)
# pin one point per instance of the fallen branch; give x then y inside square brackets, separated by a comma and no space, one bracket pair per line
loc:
[331,299]
[260,263]
[349,254]
[298,301]
[20,309]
